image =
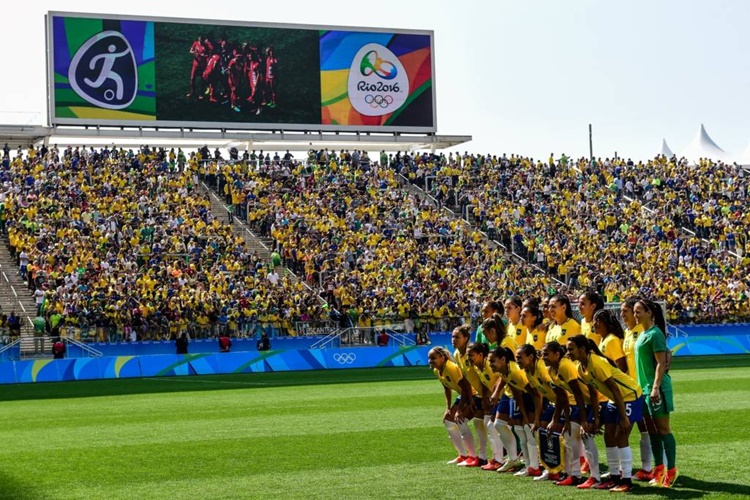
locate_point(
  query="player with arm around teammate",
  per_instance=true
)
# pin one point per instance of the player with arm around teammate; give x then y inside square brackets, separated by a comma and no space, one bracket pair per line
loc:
[564,374]
[479,354]
[623,408]
[521,404]
[551,405]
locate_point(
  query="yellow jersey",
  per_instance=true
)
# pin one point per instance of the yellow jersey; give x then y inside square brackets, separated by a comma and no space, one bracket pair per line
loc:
[599,371]
[541,380]
[611,347]
[516,379]
[468,371]
[628,346]
[518,332]
[451,376]
[587,330]
[566,372]
[537,338]
[561,377]
[561,333]
[510,342]
[486,375]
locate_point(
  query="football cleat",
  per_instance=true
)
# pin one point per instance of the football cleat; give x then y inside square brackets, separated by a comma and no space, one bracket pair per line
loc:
[670,477]
[591,482]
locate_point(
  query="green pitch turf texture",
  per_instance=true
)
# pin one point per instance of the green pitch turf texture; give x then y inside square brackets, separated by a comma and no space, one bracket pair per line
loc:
[335,434]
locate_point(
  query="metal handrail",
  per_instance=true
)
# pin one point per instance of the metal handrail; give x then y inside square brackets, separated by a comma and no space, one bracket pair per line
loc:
[11,345]
[320,344]
[95,353]
[400,338]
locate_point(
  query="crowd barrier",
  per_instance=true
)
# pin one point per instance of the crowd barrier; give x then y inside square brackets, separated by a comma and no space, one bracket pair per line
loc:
[156,359]
[689,340]
[168,365]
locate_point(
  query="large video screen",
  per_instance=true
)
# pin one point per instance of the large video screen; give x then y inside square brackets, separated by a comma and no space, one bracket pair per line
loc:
[134,71]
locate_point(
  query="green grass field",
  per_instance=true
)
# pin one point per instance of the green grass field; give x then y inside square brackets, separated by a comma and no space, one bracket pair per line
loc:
[344,434]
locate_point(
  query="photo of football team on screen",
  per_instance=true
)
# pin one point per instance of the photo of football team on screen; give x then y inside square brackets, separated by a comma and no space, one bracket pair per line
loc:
[239,75]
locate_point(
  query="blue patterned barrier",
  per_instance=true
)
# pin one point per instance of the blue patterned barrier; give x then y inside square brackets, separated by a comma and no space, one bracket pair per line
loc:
[162,365]
[252,361]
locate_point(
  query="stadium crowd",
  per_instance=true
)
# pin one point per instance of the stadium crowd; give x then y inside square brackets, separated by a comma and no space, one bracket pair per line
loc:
[664,228]
[379,254]
[123,244]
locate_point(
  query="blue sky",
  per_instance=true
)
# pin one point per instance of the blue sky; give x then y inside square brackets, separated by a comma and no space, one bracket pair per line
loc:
[520,77]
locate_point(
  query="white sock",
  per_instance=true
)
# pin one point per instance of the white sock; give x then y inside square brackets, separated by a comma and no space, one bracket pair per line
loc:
[626,462]
[482,436]
[613,460]
[468,438]
[455,436]
[521,435]
[497,445]
[573,450]
[592,455]
[507,438]
[532,459]
[646,463]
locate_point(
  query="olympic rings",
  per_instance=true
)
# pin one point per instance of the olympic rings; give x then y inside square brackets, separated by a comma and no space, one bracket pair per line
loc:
[382,101]
[345,358]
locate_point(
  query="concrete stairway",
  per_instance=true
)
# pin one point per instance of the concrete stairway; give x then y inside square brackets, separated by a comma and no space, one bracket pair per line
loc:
[472,222]
[15,296]
[263,246]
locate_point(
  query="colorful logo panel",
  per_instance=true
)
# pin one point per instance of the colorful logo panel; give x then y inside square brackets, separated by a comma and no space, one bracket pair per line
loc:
[376,79]
[378,83]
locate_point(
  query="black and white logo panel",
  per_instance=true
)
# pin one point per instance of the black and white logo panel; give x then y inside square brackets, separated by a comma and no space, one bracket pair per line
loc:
[104,71]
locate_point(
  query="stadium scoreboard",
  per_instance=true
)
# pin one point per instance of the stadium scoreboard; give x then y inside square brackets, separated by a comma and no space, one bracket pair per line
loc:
[146,71]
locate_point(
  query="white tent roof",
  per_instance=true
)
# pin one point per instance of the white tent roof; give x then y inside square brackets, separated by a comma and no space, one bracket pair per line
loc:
[665,149]
[702,146]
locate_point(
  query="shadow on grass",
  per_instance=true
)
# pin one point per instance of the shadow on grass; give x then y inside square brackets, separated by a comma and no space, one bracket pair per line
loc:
[120,387]
[11,487]
[688,487]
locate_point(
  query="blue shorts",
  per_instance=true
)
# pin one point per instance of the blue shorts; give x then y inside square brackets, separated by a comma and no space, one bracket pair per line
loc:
[548,411]
[505,405]
[575,414]
[477,403]
[633,409]
[528,401]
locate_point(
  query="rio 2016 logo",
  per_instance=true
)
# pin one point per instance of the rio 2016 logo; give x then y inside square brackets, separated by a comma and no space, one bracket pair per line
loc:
[104,71]
[378,84]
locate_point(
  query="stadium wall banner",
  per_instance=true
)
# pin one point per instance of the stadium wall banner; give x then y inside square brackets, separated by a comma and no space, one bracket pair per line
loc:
[146,71]
[169,365]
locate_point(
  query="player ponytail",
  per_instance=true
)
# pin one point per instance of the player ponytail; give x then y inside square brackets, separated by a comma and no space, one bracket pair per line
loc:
[442,352]
[589,346]
[595,299]
[505,353]
[657,314]
[528,350]
[610,322]
[563,299]
[480,348]
[463,330]
[555,348]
